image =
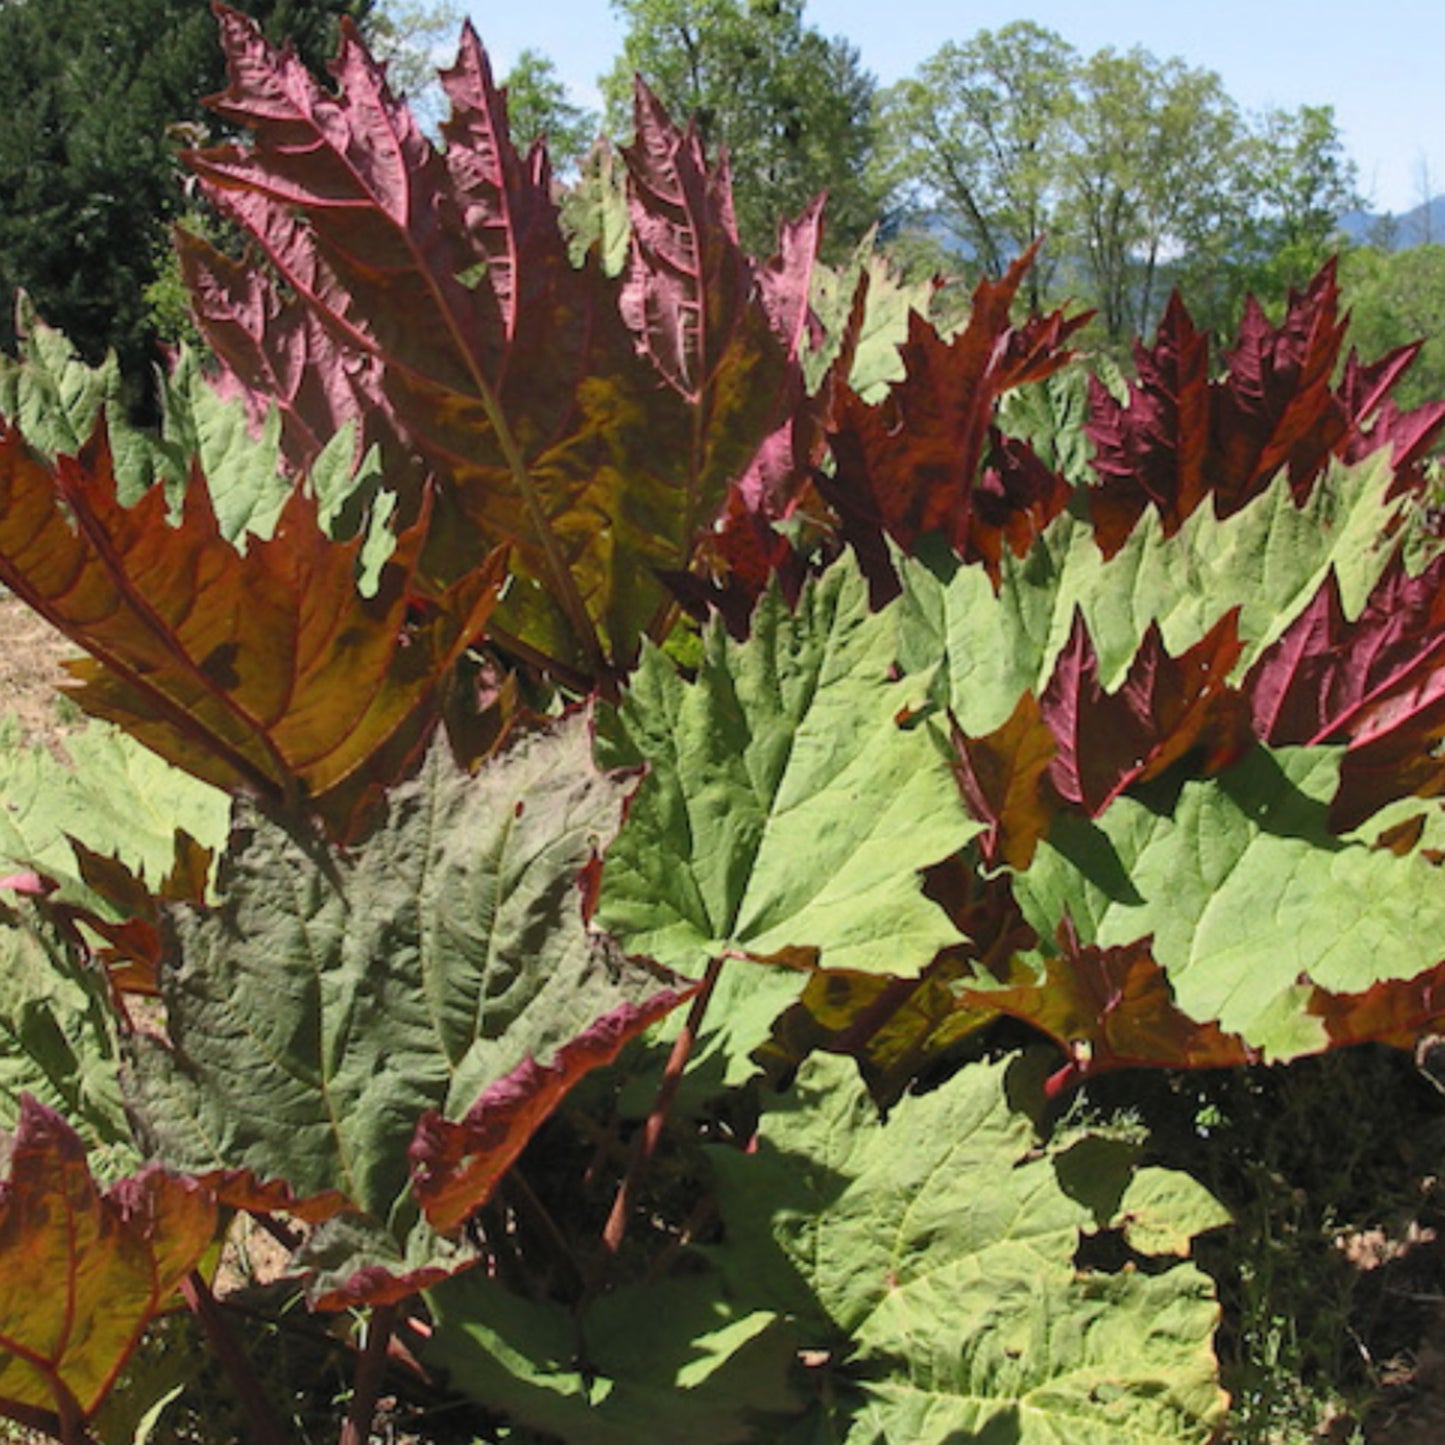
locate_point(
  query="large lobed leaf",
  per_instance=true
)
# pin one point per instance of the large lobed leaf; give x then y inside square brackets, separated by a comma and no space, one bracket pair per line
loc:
[83,1272]
[592,422]
[265,671]
[786,813]
[674,1361]
[1269,560]
[914,1280]
[332,1003]
[930,1262]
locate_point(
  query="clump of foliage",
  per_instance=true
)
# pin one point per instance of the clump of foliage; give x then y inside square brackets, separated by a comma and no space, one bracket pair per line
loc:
[596,1007]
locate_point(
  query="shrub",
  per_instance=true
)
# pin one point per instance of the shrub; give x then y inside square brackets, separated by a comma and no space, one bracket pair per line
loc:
[611,1009]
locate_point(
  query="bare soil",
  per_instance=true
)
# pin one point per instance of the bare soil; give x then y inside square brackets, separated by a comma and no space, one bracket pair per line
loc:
[31,652]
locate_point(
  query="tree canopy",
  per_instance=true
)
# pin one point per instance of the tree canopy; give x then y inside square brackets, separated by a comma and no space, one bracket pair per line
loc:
[95,99]
[539,108]
[1397,298]
[793,107]
[1137,172]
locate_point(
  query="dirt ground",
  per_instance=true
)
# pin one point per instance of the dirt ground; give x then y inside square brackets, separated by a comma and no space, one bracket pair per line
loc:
[30,656]
[1410,1409]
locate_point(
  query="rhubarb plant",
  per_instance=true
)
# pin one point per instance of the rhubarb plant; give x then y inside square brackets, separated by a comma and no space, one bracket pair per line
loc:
[595,731]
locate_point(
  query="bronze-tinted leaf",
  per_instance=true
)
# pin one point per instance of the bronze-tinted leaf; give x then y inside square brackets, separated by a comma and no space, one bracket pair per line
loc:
[1004,779]
[265,672]
[82,1272]
[593,423]
[908,466]
[1108,1008]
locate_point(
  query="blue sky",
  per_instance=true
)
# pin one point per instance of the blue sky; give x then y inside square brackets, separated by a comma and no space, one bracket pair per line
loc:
[1380,63]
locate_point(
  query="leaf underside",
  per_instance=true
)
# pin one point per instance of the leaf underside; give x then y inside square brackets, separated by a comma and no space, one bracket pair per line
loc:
[83,1272]
[315,1023]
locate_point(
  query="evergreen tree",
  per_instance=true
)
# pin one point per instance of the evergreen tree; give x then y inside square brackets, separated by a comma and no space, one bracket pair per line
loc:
[95,99]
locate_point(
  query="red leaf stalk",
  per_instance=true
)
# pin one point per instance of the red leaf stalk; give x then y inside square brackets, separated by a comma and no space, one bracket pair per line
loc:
[266,1429]
[370,1371]
[616,1226]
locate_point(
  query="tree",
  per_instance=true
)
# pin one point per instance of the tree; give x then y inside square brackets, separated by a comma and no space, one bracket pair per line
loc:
[1152,155]
[88,183]
[977,135]
[539,108]
[1397,298]
[1138,172]
[1303,183]
[406,34]
[793,108]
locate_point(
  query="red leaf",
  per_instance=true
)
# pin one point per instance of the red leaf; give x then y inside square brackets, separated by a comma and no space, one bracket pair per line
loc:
[1003,778]
[267,672]
[1181,437]
[908,465]
[83,1272]
[1276,408]
[1152,449]
[455,1167]
[134,939]
[1396,1011]
[593,424]
[1109,1008]
[241,1189]
[1016,497]
[1166,707]
[1376,683]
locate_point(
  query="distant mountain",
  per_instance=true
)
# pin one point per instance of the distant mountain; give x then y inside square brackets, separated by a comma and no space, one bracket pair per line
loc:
[1397,233]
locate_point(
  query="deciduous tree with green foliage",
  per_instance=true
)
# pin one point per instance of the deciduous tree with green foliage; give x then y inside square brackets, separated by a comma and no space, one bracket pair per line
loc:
[409,37]
[540,108]
[976,137]
[1397,298]
[1139,172]
[793,107]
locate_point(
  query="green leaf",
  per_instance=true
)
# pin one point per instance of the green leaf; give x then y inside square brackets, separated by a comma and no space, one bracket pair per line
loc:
[1269,559]
[116,797]
[671,1362]
[331,999]
[57,1038]
[933,1259]
[49,392]
[55,399]
[241,464]
[1246,891]
[785,810]
[888,303]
